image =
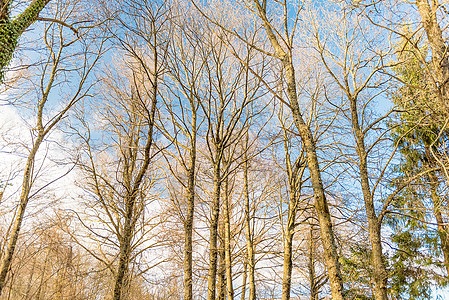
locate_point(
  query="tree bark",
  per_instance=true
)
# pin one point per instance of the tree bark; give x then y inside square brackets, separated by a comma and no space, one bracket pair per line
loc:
[321,205]
[28,174]
[287,269]
[311,265]
[26,187]
[293,191]
[245,276]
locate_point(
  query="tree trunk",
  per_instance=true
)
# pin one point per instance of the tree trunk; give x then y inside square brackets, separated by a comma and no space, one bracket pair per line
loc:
[10,31]
[321,205]
[442,227]
[26,187]
[188,225]
[438,47]
[249,238]
[287,271]
[289,233]
[244,275]
[221,285]
[133,191]
[212,273]
[380,271]
[311,265]
[125,251]
[227,242]
[294,173]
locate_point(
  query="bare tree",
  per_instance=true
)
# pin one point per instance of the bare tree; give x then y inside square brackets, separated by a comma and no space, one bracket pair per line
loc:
[294,171]
[282,43]
[122,185]
[186,64]
[224,110]
[60,47]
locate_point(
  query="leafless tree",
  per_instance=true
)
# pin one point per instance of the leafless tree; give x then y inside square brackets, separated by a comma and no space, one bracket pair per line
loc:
[61,48]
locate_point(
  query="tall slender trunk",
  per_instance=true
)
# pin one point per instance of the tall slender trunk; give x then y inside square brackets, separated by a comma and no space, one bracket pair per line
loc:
[212,273]
[126,235]
[294,173]
[249,234]
[287,270]
[380,271]
[188,225]
[125,250]
[227,242]
[289,233]
[321,205]
[244,277]
[311,265]
[27,177]
[221,283]
[26,187]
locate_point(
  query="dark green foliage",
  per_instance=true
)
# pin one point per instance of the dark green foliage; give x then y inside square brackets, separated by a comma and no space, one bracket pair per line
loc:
[358,273]
[411,271]
[12,29]
[415,264]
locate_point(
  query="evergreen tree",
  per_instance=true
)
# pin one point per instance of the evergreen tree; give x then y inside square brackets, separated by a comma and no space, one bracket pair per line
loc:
[419,230]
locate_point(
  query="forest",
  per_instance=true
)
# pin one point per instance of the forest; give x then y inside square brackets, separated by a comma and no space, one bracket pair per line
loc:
[230,150]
